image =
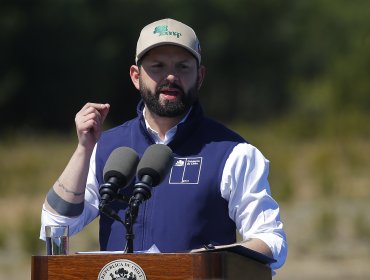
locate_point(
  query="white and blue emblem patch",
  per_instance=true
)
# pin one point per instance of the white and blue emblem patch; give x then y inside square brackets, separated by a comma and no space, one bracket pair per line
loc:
[186,170]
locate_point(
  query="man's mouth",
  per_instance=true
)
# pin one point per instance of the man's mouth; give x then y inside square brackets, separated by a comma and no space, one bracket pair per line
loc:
[169,93]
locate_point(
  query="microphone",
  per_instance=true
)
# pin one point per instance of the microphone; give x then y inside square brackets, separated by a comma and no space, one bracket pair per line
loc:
[151,170]
[117,173]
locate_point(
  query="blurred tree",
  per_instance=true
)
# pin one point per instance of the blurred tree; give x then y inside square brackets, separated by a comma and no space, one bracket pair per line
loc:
[331,59]
[264,58]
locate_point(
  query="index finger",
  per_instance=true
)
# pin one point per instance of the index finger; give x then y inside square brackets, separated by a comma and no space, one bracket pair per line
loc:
[97,106]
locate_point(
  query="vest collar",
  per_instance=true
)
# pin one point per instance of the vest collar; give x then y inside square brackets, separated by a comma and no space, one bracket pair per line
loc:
[184,128]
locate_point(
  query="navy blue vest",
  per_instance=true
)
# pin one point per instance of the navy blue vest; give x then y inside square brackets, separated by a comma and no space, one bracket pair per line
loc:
[186,210]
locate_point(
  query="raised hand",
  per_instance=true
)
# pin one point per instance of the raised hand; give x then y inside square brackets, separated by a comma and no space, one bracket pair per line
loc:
[89,123]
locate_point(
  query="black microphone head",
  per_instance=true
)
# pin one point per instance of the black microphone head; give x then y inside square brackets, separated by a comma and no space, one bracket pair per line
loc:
[121,164]
[156,162]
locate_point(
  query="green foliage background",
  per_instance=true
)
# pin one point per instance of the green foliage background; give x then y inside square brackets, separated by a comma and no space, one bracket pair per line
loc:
[265,59]
[292,77]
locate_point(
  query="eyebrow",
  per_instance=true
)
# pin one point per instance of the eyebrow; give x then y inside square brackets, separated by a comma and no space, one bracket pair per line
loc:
[182,61]
[187,60]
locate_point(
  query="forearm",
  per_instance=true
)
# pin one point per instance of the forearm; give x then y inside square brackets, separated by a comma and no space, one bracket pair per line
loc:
[257,245]
[71,184]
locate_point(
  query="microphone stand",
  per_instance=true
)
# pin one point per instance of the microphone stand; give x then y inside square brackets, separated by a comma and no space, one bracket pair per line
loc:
[141,192]
[130,218]
[110,194]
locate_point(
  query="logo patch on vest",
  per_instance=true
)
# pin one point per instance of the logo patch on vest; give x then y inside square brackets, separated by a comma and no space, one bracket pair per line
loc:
[186,170]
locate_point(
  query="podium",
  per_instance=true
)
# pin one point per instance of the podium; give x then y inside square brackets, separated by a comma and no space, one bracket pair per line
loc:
[159,266]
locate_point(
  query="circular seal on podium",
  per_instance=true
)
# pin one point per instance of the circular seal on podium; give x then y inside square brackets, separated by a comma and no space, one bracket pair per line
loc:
[122,270]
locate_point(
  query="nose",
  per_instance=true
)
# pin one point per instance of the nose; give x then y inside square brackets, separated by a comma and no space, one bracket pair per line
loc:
[171,73]
[171,77]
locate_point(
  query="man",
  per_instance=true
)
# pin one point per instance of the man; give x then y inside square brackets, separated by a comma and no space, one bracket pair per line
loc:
[221,184]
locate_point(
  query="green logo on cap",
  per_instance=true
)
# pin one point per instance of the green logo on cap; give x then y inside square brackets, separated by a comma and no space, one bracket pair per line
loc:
[163,30]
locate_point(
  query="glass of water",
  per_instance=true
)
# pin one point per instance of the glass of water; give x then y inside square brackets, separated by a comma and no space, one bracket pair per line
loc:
[57,240]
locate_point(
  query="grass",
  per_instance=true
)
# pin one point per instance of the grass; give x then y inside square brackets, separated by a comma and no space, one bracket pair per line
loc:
[326,158]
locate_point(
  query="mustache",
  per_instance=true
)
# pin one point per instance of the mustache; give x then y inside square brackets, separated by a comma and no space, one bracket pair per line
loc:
[169,85]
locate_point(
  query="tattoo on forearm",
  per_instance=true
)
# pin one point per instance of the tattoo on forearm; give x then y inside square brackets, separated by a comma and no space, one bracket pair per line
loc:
[68,190]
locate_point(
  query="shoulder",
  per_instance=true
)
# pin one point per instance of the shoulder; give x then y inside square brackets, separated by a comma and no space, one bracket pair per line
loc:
[248,155]
[249,151]
[248,161]
[217,130]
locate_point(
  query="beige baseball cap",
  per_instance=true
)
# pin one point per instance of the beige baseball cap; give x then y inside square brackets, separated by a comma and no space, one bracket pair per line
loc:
[167,32]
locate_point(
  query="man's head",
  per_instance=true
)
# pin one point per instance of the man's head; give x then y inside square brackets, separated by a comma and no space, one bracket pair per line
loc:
[168,73]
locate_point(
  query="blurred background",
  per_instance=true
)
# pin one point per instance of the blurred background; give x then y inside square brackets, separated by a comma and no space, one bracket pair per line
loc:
[292,77]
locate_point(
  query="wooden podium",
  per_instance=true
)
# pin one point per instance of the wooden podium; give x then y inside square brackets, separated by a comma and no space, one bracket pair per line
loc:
[206,265]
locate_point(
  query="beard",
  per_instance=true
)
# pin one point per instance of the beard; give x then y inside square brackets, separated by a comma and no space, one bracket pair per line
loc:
[169,108]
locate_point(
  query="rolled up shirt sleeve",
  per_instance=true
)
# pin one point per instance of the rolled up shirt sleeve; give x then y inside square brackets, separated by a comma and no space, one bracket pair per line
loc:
[245,186]
[90,212]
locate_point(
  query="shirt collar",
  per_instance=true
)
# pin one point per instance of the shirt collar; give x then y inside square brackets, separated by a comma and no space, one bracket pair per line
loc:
[170,134]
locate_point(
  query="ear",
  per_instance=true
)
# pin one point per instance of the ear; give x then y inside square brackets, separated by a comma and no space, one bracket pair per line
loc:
[201,75]
[135,74]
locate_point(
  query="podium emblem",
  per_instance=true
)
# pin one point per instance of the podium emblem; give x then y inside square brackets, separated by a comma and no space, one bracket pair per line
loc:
[122,270]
